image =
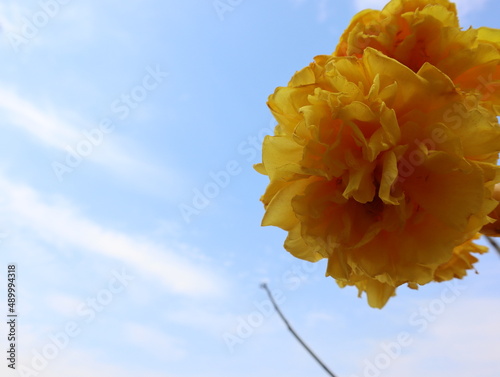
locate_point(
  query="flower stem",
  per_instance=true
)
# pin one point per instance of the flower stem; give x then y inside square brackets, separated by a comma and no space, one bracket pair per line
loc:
[264,286]
[493,243]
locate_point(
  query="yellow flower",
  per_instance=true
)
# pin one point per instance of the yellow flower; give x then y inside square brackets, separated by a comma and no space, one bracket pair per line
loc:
[456,267]
[370,168]
[460,262]
[418,31]
[493,229]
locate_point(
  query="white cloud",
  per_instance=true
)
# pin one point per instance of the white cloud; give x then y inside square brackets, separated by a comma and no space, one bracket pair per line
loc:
[463,340]
[62,304]
[48,129]
[51,130]
[10,13]
[29,25]
[319,318]
[205,319]
[60,224]
[84,363]
[152,339]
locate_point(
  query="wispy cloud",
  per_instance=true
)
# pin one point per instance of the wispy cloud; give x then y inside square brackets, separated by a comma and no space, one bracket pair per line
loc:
[26,25]
[41,125]
[84,363]
[161,345]
[204,319]
[461,343]
[46,126]
[59,223]
[319,318]
[62,304]
[10,14]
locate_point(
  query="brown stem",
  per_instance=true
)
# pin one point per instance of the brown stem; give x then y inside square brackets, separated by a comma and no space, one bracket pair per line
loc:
[493,243]
[264,286]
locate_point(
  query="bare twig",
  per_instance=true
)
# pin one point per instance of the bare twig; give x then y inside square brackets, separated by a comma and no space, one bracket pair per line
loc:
[493,243]
[264,286]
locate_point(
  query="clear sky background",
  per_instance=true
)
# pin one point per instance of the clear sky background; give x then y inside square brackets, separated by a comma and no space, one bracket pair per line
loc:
[130,206]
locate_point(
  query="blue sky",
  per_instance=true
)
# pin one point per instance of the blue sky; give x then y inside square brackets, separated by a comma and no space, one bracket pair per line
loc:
[131,209]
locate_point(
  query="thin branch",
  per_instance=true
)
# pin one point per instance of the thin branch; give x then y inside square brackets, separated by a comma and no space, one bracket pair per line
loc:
[264,286]
[494,244]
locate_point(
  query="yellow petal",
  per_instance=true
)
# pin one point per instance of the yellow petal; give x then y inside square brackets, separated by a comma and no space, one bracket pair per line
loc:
[279,212]
[295,244]
[447,191]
